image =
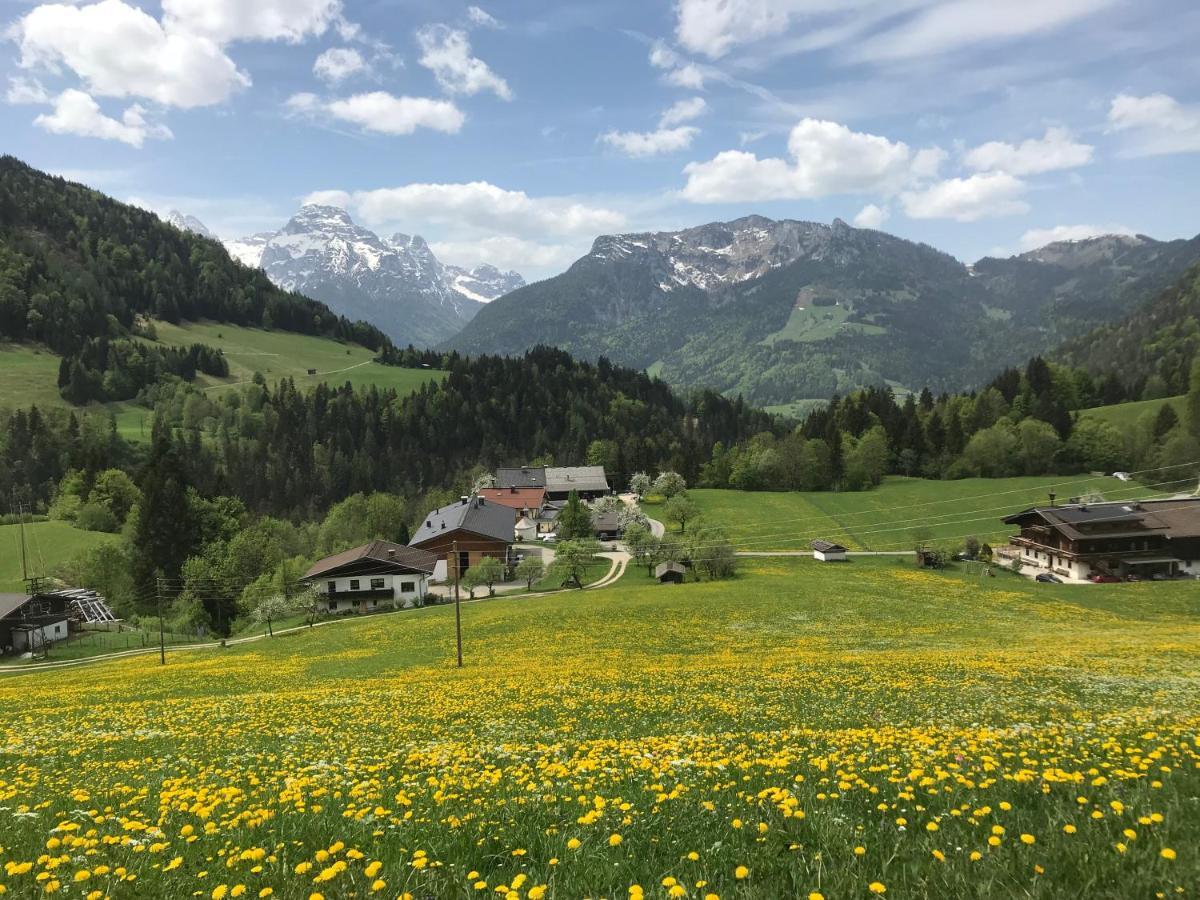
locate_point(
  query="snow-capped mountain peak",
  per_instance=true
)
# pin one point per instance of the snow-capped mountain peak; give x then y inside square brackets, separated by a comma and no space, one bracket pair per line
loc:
[188,223]
[396,283]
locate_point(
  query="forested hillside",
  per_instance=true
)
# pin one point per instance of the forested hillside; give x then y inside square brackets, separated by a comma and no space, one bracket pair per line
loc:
[78,269]
[1149,352]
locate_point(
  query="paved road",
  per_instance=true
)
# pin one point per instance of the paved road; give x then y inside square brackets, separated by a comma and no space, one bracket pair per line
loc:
[808,553]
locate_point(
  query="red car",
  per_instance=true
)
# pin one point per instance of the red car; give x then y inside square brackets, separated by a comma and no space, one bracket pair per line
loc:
[1105,579]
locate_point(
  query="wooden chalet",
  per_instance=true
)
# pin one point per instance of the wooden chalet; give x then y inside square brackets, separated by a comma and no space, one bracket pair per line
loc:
[1134,538]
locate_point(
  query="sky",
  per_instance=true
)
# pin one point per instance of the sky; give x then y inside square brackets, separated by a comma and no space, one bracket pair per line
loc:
[516,132]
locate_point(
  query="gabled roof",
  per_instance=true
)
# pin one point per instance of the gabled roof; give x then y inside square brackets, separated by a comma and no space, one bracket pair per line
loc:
[473,514]
[663,568]
[10,603]
[517,498]
[827,547]
[382,556]
[561,479]
[1126,518]
[525,476]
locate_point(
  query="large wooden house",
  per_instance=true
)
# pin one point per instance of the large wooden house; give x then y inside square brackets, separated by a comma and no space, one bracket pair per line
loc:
[30,624]
[1145,539]
[474,527]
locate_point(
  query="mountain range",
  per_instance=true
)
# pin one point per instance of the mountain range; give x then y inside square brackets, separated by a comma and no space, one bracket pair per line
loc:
[396,283]
[780,311]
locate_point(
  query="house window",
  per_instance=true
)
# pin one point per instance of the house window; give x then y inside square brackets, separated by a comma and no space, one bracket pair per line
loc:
[332,585]
[354,584]
[377,584]
[407,587]
[356,603]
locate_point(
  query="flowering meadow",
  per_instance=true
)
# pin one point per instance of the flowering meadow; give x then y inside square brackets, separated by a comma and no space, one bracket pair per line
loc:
[802,731]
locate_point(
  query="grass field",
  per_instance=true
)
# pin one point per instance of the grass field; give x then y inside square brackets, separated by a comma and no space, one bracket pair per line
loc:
[851,731]
[885,518]
[48,545]
[1124,416]
[29,375]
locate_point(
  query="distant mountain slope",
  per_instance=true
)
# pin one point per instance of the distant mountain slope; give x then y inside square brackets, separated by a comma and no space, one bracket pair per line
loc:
[396,283]
[1157,340]
[76,265]
[783,310]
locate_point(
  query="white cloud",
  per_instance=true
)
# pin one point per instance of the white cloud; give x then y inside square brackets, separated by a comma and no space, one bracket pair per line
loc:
[689,76]
[1040,237]
[1057,149]
[26,90]
[872,216]
[967,199]
[683,111]
[77,113]
[475,205]
[713,27]
[651,143]
[447,53]
[507,252]
[946,27]
[385,113]
[338,63]
[1159,124]
[826,158]
[481,18]
[679,73]
[251,20]
[873,30]
[302,103]
[119,51]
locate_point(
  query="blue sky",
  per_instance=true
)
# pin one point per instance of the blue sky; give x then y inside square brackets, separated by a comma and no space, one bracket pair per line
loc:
[515,132]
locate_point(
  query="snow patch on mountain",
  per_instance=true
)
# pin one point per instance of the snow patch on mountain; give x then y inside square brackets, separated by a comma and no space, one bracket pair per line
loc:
[188,223]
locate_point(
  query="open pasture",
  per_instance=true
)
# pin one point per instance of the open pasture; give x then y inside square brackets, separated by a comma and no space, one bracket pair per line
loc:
[891,516]
[842,731]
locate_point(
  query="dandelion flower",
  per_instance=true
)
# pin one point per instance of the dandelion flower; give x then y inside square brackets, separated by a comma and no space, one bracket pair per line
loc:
[740,872]
[1166,853]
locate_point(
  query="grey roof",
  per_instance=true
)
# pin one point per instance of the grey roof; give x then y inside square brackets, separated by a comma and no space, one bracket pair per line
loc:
[476,515]
[382,555]
[827,546]
[663,568]
[525,476]
[10,603]
[576,478]
[606,521]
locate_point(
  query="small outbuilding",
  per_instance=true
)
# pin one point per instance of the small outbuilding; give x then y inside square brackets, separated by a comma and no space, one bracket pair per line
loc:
[526,529]
[669,573]
[827,551]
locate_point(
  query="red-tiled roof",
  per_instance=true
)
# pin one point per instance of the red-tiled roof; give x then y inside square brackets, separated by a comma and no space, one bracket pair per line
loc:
[515,497]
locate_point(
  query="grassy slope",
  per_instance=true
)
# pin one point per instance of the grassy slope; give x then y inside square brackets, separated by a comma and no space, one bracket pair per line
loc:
[29,375]
[884,518]
[48,545]
[681,718]
[1125,416]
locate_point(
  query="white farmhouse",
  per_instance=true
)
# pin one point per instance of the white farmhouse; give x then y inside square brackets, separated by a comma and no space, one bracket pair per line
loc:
[378,575]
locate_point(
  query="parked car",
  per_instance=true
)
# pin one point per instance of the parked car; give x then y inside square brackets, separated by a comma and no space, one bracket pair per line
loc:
[1122,476]
[1104,578]
[548,538]
[1047,578]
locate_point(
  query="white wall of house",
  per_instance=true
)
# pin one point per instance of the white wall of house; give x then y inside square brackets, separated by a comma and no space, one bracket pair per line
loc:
[830,555]
[48,633]
[406,588]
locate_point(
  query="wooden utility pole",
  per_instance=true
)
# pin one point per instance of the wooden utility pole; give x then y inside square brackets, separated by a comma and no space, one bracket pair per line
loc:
[21,523]
[162,639]
[457,605]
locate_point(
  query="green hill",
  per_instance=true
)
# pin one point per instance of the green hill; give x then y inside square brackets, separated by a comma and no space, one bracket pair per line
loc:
[28,374]
[1125,416]
[47,544]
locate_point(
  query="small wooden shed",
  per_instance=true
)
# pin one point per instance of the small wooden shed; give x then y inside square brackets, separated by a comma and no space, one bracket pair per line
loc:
[827,551]
[669,573]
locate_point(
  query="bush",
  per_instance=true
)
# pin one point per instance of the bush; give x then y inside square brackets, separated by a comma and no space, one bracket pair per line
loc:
[94,517]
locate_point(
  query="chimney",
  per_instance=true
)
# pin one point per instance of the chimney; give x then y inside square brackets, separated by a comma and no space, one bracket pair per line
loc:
[463,499]
[480,501]
[391,552]
[1052,496]
[428,523]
